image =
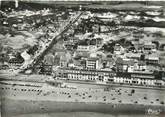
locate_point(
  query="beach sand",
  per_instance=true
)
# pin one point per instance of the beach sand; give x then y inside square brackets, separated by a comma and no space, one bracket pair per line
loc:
[25,101]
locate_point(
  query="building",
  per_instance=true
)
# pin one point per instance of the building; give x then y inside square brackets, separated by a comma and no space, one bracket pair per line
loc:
[49,59]
[118,49]
[140,66]
[139,78]
[84,74]
[86,48]
[135,78]
[96,41]
[92,63]
[46,69]
[152,59]
[148,47]
[138,34]
[3,66]
[107,63]
[70,43]
[15,62]
[78,55]
[136,56]
[82,48]
[63,62]
[124,65]
[119,65]
[63,58]
[128,65]
[57,60]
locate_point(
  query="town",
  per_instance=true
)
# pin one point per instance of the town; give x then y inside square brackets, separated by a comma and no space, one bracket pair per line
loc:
[97,53]
[98,45]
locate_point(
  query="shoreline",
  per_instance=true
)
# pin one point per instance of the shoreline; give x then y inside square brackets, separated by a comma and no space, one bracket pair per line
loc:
[16,107]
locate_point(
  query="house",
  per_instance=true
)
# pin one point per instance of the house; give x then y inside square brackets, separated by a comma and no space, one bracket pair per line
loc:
[80,63]
[107,63]
[96,41]
[57,60]
[99,41]
[78,55]
[118,49]
[82,48]
[46,69]
[3,66]
[140,66]
[149,46]
[138,34]
[128,65]
[119,64]
[162,47]
[124,65]
[96,28]
[70,42]
[135,56]
[86,48]
[61,58]
[15,62]
[63,61]
[49,59]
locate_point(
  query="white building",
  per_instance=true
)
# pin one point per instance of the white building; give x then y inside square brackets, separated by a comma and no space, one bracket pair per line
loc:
[86,48]
[92,63]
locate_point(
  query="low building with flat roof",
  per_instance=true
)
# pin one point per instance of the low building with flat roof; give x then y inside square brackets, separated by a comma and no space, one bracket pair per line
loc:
[142,78]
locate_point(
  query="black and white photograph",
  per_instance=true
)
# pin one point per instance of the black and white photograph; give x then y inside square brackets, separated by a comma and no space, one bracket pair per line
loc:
[82,58]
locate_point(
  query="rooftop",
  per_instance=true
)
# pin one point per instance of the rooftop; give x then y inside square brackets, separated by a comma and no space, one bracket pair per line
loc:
[93,59]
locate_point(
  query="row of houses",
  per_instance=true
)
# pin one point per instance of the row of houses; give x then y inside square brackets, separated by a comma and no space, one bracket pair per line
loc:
[136,78]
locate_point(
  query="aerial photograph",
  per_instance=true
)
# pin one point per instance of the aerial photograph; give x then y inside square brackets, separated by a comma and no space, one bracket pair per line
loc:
[82,58]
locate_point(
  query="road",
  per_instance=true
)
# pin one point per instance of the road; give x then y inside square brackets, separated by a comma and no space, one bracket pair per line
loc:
[49,45]
[8,76]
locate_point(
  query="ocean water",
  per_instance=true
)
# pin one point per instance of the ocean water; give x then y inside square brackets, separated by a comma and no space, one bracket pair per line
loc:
[25,108]
[83,114]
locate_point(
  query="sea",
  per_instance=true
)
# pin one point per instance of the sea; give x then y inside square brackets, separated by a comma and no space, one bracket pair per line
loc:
[84,114]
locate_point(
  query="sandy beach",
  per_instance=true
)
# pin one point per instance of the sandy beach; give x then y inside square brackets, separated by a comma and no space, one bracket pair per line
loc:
[32,99]
[18,100]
